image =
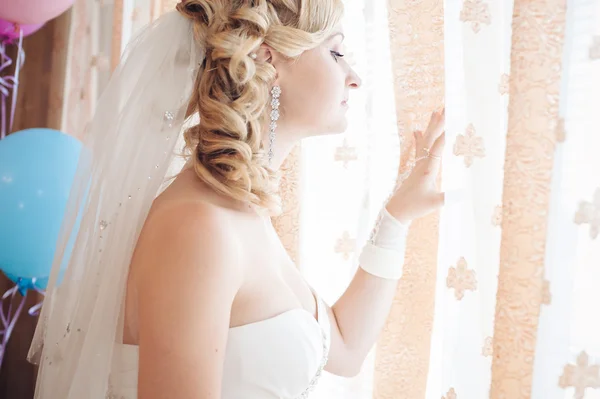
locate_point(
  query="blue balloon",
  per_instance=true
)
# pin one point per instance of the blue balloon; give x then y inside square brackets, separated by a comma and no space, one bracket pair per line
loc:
[37,168]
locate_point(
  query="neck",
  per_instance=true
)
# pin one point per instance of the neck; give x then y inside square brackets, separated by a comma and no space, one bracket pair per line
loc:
[284,143]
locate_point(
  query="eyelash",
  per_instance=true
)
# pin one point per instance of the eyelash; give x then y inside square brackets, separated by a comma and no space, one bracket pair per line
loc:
[336,55]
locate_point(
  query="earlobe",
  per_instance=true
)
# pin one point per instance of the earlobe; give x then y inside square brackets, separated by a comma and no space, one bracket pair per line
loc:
[268,55]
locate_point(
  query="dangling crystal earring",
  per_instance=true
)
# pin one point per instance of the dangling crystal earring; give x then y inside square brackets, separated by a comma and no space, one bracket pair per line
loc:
[275,93]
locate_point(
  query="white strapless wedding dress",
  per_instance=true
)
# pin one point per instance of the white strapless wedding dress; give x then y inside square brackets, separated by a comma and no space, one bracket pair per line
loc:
[281,357]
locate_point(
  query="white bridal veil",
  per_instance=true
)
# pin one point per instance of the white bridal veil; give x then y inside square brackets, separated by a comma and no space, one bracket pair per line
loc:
[127,150]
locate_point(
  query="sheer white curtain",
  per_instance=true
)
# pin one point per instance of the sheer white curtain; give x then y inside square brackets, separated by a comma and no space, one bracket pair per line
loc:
[345,178]
[99,32]
[567,360]
[477,62]
[566,364]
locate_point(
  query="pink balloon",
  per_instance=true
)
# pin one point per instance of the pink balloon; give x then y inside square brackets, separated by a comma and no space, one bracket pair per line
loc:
[31,12]
[11,31]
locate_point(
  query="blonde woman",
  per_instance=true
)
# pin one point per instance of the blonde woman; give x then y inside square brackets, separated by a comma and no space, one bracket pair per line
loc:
[182,289]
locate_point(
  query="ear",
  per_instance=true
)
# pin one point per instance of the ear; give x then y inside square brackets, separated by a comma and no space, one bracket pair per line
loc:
[266,54]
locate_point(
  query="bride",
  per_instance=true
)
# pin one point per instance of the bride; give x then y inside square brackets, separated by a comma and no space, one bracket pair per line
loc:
[180,288]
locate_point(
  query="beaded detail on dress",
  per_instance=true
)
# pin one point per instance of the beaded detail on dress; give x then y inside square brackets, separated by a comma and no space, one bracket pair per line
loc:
[313,383]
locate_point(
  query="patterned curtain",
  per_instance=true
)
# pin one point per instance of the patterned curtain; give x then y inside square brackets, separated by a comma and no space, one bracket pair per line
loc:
[417,48]
[534,88]
[504,309]
[99,33]
[345,178]
[567,352]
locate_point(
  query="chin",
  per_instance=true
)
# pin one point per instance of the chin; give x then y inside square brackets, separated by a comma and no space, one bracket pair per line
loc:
[336,128]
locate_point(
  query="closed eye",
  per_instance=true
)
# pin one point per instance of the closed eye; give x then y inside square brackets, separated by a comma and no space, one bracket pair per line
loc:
[336,55]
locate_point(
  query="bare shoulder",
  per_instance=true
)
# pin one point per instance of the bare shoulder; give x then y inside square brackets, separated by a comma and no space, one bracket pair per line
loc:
[190,234]
[187,274]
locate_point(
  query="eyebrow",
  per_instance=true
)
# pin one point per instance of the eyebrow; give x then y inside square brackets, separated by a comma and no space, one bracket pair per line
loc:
[337,34]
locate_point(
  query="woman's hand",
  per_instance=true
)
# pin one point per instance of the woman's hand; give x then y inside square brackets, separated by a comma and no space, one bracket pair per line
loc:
[418,195]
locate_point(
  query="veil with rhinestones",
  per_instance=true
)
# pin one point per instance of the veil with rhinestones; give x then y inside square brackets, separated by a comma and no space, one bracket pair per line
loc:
[128,149]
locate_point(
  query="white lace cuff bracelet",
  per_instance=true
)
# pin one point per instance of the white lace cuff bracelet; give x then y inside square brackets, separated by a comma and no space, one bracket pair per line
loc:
[383,256]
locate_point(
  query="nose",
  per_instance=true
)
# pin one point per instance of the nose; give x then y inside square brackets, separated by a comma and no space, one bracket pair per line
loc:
[353,80]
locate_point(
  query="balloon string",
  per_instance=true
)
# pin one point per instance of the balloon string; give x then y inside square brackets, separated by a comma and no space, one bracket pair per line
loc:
[9,83]
[9,320]
[35,309]
[19,65]
[5,86]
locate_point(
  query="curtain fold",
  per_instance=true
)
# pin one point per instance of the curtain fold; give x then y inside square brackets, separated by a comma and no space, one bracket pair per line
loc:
[417,53]
[568,336]
[94,51]
[536,59]
[477,48]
